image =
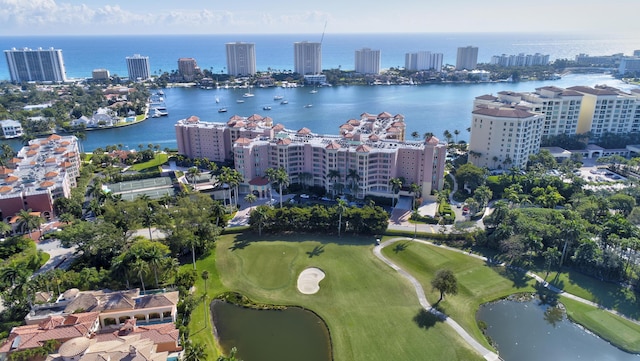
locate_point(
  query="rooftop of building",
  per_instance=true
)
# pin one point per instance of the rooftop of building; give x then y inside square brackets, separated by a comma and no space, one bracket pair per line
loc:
[504,112]
[39,167]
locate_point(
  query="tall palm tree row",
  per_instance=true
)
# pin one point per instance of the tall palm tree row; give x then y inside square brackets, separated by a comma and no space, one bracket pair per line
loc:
[396,185]
[278,177]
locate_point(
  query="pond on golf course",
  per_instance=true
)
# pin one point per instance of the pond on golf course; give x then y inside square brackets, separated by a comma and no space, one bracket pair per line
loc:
[292,334]
[532,331]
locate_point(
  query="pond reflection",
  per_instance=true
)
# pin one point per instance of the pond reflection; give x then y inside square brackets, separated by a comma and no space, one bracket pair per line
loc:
[533,331]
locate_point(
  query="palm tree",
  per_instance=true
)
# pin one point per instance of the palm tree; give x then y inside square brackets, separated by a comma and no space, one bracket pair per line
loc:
[304,177]
[447,135]
[279,177]
[29,220]
[396,185]
[340,207]
[334,175]
[415,135]
[250,198]
[155,259]
[11,274]
[193,174]
[140,267]
[415,191]
[456,133]
[355,177]
[260,214]
[195,352]
[6,228]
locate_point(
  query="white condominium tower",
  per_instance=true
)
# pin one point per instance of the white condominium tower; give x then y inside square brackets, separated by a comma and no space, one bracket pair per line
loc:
[241,58]
[307,58]
[35,65]
[504,137]
[423,60]
[467,58]
[138,67]
[367,61]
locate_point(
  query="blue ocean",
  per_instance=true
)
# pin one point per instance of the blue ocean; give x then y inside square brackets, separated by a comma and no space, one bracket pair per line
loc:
[82,54]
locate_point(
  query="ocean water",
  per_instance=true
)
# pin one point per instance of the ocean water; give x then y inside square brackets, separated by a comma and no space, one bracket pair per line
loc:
[82,54]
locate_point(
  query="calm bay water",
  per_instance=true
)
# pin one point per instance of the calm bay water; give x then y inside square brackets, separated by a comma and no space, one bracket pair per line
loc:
[523,333]
[430,108]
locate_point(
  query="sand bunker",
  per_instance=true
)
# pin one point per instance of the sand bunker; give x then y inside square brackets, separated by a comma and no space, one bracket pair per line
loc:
[309,280]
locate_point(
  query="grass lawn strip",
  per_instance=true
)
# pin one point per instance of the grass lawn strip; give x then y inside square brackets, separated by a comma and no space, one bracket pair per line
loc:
[620,332]
[159,159]
[372,313]
[476,287]
[478,282]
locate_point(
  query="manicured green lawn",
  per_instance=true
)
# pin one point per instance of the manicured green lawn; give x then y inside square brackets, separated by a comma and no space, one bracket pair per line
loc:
[621,332]
[610,295]
[159,159]
[371,311]
[478,283]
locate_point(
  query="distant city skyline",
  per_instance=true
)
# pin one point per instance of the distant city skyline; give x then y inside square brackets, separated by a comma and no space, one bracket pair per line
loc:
[153,17]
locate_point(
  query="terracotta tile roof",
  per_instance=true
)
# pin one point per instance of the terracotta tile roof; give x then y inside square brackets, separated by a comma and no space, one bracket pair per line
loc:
[384,115]
[54,137]
[11,179]
[284,141]
[5,171]
[304,131]
[193,119]
[363,149]
[255,117]
[157,300]
[243,141]
[51,174]
[46,184]
[259,181]
[333,145]
[54,328]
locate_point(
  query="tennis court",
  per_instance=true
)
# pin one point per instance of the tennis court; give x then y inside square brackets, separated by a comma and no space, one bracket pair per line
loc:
[132,186]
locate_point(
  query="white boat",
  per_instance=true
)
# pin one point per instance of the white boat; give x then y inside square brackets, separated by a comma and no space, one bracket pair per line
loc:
[217,100]
[278,97]
[308,105]
[313,91]
[157,112]
[247,95]
[284,102]
[266,107]
[239,101]
[222,110]
[160,92]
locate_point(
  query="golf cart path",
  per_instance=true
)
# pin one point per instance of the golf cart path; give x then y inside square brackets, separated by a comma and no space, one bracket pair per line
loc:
[486,353]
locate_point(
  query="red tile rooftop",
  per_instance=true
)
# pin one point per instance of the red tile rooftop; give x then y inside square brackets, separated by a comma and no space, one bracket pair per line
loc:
[5,189]
[259,181]
[285,141]
[31,153]
[333,145]
[11,179]
[60,150]
[34,146]
[304,131]
[243,141]
[5,171]
[363,149]
[54,137]
[66,164]
[255,117]
[50,160]
[384,115]
[193,119]
[71,154]
[51,174]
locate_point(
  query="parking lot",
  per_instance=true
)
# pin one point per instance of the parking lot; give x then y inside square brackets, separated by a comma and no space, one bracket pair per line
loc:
[598,177]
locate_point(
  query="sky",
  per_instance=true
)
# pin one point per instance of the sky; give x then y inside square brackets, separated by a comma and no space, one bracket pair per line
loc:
[142,17]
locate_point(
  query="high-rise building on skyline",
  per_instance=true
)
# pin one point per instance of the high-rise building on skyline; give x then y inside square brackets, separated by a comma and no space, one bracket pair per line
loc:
[100,74]
[367,61]
[188,68]
[504,137]
[560,107]
[467,58]
[307,58]
[44,65]
[138,67]
[241,58]
[423,60]
[520,59]
[373,146]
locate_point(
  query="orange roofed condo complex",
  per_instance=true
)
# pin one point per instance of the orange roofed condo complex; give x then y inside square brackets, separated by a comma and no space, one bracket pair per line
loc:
[368,152]
[42,171]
